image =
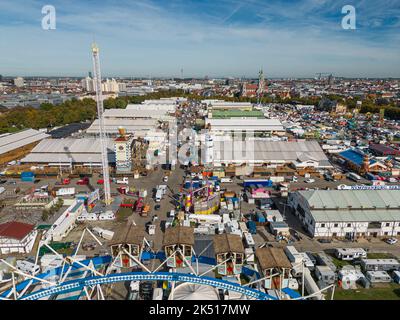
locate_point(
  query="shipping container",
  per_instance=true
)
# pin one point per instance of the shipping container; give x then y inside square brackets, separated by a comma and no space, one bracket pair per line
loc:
[252,227]
[27,176]
[260,217]
[257,182]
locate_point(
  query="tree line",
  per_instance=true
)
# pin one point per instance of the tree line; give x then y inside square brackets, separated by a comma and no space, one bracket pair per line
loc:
[50,116]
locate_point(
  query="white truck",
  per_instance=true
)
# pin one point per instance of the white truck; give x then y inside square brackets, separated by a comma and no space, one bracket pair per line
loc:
[65,192]
[108,215]
[293,254]
[105,234]
[124,180]
[159,195]
[151,229]
[28,267]
[134,290]
[161,190]
[249,239]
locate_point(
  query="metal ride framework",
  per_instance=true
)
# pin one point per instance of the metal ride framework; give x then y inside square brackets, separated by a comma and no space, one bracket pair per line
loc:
[100,112]
[38,286]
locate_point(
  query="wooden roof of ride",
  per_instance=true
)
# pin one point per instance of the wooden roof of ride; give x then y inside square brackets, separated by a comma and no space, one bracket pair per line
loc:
[224,243]
[272,258]
[179,235]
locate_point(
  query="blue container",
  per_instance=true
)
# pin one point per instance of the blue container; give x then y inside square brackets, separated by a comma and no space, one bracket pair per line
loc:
[257,183]
[252,227]
[260,217]
[27,176]
[196,184]
[187,185]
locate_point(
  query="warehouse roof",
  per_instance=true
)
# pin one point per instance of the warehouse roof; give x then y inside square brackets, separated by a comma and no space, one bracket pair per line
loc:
[179,235]
[15,230]
[237,114]
[134,114]
[131,125]
[262,150]
[230,105]
[9,142]
[158,106]
[68,130]
[353,205]
[234,124]
[354,156]
[224,243]
[84,150]
[272,258]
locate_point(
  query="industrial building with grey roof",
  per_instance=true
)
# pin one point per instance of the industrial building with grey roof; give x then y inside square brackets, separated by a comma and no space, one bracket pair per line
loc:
[348,213]
[13,141]
[259,152]
[85,151]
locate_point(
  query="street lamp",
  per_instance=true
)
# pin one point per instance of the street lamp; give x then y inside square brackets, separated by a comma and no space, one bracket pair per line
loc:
[284,210]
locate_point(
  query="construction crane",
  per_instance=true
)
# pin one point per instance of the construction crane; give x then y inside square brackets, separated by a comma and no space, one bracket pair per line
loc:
[100,111]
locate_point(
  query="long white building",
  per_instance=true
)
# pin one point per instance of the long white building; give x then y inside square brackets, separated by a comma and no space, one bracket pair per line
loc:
[164,107]
[132,126]
[133,114]
[348,213]
[224,126]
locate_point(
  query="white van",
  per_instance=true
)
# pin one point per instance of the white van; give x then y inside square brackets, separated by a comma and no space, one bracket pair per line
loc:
[28,267]
[226,180]
[354,177]
[109,215]
[172,214]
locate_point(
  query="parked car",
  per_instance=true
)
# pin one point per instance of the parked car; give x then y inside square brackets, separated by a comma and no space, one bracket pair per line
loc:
[310,180]
[157,207]
[165,179]
[391,241]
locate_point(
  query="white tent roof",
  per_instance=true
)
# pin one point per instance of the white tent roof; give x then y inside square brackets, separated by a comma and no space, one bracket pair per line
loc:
[190,291]
[17,140]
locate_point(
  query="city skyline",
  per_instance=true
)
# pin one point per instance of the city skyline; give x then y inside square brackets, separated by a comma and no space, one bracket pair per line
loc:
[220,39]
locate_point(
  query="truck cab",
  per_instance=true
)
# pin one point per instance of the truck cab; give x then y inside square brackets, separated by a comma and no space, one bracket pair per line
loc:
[84,181]
[124,180]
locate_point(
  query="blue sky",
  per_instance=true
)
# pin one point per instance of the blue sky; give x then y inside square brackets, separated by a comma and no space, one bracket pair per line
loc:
[288,38]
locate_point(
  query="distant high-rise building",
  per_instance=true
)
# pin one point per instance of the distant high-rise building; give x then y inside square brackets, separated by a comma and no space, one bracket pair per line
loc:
[1,77]
[19,82]
[88,84]
[90,74]
[110,86]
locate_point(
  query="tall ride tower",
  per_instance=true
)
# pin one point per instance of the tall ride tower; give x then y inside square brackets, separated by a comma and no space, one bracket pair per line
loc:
[100,111]
[261,86]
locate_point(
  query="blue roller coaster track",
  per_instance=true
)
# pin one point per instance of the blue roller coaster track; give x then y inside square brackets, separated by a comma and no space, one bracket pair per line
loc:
[91,281]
